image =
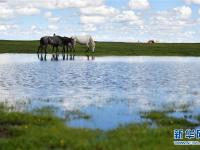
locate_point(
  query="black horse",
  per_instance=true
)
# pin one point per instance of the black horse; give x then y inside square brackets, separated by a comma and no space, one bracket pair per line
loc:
[68,44]
[55,42]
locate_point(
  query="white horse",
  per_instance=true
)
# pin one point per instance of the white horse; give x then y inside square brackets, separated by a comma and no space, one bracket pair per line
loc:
[86,40]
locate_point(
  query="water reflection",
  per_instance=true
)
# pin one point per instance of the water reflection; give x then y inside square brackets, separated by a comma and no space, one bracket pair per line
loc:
[106,87]
[90,57]
[68,56]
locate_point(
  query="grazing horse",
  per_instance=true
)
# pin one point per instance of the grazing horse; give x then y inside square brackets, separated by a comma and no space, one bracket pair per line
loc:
[86,40]
[55,41]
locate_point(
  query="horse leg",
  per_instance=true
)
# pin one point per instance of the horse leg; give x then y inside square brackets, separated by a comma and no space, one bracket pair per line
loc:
[67,55]
[39,48]
[56,52]
[73,53]
[45,51]
[64,52]
[41,56]
[52,57]
[53,53]
[88,47]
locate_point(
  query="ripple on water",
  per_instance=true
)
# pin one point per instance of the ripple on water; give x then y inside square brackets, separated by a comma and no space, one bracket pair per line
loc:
[112,90]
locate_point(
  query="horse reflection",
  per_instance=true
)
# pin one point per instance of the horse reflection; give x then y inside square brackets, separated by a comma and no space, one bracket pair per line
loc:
[69,55]
[90,57]
[41,57]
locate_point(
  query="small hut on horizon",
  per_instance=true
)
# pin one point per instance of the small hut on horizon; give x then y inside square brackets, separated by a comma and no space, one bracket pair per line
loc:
[151,42]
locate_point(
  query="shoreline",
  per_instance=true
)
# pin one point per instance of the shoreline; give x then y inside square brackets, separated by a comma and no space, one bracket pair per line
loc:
[112,48]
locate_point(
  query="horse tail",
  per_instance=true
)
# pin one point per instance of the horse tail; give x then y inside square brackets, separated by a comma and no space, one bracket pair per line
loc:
[40,46]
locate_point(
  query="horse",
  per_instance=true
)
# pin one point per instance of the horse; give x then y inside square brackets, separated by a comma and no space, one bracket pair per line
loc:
[67,43]
[86,40]
[55,41]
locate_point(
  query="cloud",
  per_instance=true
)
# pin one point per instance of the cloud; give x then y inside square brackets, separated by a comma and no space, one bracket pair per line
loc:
[103,15]
[193,2]
[127,16]
[9,9]
[170,25]
[6,27]
[27,11]
[48,14]
[92,19]
[5,11]
[53,27]
[97,15]
[139,4]
[171,20]
[51,18]
[54,4]
[78,3]
[89,28]
[101,10]
[184,11]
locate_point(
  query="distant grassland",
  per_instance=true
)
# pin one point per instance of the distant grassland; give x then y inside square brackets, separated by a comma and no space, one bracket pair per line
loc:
[112,48]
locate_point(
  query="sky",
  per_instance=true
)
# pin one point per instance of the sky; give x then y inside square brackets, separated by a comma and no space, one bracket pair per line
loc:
[105,20]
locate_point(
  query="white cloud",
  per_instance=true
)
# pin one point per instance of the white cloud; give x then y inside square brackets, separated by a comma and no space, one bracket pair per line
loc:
[13,8]
[139,4]
[101,10]
[89,28]
[127,16]
[53,4]
[79,3]
[54,19]
[33,27]
[6,27]
[5,11]
[92,19]
[184,11]
[48,14]
[28,11]
[51,18]
[170,25]
[53,27]
[192,1]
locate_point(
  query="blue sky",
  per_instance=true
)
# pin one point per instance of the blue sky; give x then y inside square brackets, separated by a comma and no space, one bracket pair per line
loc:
[105,20]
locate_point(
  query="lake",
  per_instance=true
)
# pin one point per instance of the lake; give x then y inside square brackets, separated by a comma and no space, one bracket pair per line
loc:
[113,91]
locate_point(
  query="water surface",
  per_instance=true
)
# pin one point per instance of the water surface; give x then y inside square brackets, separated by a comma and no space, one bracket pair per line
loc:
[112,90]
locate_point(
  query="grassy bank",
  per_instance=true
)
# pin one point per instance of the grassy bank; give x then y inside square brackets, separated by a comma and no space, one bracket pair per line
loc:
[111,48]
[44,131]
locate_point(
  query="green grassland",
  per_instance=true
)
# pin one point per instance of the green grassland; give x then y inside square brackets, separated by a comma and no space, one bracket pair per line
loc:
[41,130]
[112,48]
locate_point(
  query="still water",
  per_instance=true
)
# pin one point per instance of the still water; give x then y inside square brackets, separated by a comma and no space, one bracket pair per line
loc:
[112,90]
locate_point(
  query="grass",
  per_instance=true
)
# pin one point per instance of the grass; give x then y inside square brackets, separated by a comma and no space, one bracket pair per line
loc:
[42,130]
[113,48]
